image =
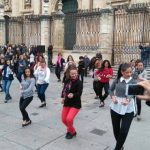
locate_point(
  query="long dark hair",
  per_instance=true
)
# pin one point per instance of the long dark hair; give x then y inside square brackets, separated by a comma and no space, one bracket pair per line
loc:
[31,73]
[71,58]
[103,64]
[122,67]
[6,61]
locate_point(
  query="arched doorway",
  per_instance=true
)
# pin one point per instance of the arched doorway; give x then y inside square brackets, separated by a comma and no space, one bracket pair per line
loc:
[69,5]
[70,8]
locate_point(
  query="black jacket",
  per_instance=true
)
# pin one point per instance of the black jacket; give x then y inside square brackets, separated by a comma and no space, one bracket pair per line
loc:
[81,66]
[75,88]
[4,70]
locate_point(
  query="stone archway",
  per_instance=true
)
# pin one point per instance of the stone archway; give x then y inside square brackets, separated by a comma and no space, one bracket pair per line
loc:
[54,4]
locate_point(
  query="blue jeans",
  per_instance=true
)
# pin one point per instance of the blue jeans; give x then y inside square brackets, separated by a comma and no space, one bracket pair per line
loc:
[19,75]
[41,88]
[6,86]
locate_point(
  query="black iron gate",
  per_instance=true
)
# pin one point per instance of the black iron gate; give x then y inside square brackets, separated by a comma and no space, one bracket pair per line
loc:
[82,30]
[70,30]
[25,30]
[131,29]
[70,8]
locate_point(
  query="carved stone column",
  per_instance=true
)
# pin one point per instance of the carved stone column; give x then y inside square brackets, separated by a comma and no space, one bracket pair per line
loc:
[106,34]
[45,25]
[15,8]
[58,28]
[36,5]
[45,7]
[45,30]
[1,10]
[2,24]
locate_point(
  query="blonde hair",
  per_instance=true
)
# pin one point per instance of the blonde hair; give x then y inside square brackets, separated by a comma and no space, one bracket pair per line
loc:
[98,62]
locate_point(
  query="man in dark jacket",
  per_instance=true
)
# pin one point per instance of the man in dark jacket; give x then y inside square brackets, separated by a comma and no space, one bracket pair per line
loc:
[81,68]
[86,62]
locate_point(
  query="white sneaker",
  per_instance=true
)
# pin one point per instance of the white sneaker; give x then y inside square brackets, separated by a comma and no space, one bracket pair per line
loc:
[138,117]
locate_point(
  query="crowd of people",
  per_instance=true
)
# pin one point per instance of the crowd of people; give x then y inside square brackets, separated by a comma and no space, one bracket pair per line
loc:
[32,69]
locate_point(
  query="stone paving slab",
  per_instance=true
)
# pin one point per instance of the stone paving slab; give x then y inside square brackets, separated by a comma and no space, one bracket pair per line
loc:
[77,143]
[5,144]
[33,136]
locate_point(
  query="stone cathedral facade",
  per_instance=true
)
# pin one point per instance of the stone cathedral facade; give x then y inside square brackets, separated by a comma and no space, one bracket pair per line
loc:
[114,27]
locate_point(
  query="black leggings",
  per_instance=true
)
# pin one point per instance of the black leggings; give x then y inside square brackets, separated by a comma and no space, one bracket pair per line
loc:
[100,89]
[23,104]
[95,87]
[121,125]
[81,76]
[58,72]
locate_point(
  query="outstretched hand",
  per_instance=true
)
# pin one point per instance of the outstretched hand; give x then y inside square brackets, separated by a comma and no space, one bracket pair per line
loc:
[146,85]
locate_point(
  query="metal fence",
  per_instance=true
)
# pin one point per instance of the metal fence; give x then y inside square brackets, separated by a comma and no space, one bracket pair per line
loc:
[25,30]
[82,30]
[131,29]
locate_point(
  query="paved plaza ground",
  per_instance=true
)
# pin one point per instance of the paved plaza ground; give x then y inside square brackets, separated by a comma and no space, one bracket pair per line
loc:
[93,124]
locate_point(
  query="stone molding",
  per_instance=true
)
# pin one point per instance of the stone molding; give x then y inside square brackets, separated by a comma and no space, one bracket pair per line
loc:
[114,3]
[27,11]
[45,17]
[57,16]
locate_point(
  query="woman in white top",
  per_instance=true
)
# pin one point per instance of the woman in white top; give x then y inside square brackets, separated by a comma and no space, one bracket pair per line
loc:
[70,62]
[42,74]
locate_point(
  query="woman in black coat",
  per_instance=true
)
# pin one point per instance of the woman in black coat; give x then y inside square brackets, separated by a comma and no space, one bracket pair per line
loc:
[71,100]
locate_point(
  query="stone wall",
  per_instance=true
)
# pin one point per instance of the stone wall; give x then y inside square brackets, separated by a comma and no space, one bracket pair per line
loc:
[37,7]
[88,33]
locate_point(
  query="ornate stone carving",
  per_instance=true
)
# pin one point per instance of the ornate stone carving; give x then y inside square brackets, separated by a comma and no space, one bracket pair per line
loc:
[27,4]
[7,6]
[60,5]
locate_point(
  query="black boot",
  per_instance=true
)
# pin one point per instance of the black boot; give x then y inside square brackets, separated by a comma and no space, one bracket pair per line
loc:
[9,97]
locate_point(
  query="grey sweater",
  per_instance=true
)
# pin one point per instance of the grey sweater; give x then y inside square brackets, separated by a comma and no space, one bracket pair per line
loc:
[118,88]
[27,87]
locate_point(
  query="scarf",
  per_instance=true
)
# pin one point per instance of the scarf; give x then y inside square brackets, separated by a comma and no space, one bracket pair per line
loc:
[58,62]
